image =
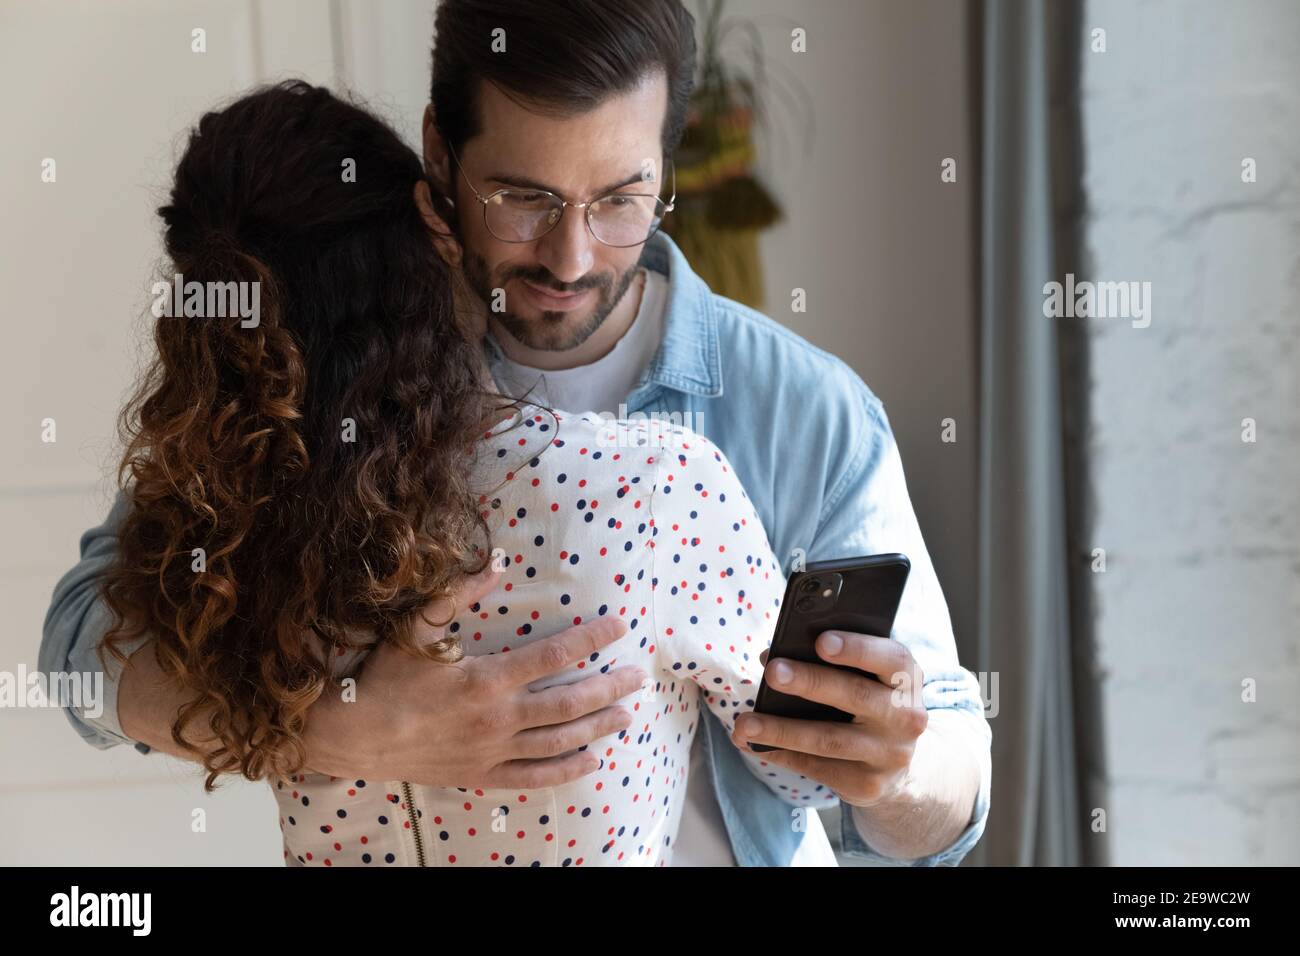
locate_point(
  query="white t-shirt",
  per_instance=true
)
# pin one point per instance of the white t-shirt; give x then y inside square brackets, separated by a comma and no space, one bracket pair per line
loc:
[702,835]
[602,386]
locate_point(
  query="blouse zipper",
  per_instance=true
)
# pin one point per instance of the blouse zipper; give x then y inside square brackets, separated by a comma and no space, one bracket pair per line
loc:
[415,823]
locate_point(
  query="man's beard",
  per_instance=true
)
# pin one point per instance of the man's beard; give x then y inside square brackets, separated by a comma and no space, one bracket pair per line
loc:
[552,332]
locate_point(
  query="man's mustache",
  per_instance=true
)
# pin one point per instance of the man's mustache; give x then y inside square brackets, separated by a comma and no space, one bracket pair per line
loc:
[543,278]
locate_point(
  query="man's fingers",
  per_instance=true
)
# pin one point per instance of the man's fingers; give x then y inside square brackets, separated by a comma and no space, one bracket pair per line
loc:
[882,656]
[551,654]
[851,692]
[821,738]
[437,614]
[535,774]
[560,739]
[841,777]
[567,702]
[475,588]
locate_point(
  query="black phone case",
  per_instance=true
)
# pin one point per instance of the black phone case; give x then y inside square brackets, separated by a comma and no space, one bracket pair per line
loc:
[871,591]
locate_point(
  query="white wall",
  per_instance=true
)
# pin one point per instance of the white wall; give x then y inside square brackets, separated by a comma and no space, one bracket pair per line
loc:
[108,91]
[1202,587]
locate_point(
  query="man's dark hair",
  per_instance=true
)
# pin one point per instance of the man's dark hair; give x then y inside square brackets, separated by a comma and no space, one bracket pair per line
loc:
[562,56]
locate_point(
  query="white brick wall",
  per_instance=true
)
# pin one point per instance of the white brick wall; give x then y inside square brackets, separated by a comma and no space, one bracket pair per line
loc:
[1202,531]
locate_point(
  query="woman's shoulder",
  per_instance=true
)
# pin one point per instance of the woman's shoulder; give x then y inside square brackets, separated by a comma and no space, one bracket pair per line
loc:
[599,437]
[536,448]
[661,448]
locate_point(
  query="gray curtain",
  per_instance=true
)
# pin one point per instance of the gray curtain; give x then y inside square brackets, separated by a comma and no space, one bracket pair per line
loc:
[1046,734]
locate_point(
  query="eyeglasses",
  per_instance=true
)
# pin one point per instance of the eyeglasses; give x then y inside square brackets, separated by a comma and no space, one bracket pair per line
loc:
[616,219]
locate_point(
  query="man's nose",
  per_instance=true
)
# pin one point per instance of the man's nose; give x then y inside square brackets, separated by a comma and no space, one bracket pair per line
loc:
[567,249]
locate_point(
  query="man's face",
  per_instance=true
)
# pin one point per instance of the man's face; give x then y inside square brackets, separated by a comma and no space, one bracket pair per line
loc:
[559,288]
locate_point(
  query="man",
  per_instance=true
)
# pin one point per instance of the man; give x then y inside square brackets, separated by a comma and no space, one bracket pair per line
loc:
[546,136]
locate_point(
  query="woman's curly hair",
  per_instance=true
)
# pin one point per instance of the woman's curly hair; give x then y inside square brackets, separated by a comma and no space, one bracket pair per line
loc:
[320,459]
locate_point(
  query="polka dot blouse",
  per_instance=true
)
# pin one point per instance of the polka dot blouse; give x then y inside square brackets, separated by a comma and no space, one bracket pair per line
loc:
[644,521]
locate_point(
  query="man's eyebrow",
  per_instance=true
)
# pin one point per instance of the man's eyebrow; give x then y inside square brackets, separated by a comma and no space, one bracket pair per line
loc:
[523,182]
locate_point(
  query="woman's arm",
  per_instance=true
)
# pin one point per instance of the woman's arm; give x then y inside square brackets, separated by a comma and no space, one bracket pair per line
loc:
[718,593]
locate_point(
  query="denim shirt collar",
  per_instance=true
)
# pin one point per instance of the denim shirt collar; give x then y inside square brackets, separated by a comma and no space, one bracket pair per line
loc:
[688,358]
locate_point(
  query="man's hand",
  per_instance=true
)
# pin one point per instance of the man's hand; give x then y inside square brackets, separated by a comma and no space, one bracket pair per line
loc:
[910,781]
[474,723]
[865,761]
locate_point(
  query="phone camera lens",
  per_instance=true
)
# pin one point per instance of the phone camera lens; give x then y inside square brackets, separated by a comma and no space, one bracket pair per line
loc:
[810,586]
[805,604]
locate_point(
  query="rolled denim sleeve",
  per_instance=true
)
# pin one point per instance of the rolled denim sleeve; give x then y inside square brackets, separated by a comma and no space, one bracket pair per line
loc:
[870,512]
[77,620]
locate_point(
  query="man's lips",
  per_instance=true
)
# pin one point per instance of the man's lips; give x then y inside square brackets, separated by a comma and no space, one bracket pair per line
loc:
[551,300]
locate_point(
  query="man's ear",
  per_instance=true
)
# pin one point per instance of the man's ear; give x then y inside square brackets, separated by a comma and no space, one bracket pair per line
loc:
[444,240]
[437,161]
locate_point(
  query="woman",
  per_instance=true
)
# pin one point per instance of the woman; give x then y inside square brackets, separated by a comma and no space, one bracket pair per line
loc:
[303,485]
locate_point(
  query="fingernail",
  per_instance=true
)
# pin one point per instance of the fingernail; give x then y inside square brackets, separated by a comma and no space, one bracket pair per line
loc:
[752,727]
[832,644]
[781,673]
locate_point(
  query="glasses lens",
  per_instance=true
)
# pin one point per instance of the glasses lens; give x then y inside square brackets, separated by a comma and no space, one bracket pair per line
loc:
[625,220]
[519,215]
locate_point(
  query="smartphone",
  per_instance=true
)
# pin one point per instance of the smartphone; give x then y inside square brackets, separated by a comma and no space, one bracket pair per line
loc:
[859,595]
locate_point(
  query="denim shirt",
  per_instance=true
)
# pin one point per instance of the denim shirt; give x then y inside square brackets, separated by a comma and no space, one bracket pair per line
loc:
[812,446]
